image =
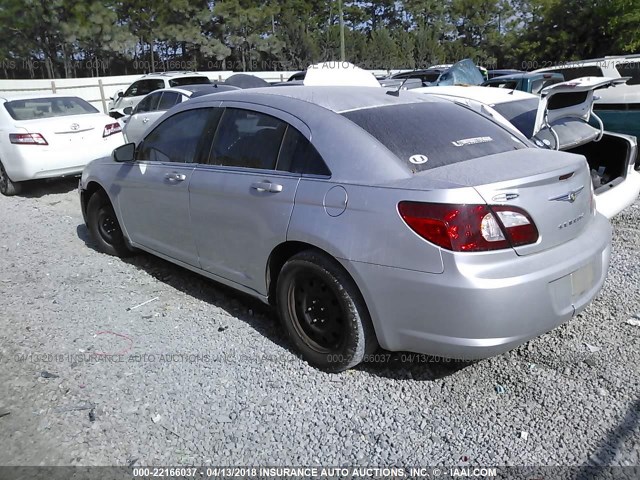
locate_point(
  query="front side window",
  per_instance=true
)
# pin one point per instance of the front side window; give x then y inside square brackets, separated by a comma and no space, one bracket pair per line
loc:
[34,108]
[149,103]
[247,139]
[168,100]
[179,138]
[144,87]
[433,134]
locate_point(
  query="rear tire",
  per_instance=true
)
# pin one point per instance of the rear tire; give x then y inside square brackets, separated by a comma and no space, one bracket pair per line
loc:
[7,186]
[323,312]
[104,226]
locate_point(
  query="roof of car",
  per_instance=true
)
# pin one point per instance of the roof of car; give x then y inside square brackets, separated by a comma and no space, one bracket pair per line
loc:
[197,89]
[517,76]
[486,95]
[10,96]
[184,73]
[339,99]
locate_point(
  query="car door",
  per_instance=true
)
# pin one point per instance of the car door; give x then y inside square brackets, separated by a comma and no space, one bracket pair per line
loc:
[153,191]
[148,112]
[140,117]
[241,202]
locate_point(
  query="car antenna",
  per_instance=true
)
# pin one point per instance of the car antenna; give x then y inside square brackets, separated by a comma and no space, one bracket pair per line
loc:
[396,92]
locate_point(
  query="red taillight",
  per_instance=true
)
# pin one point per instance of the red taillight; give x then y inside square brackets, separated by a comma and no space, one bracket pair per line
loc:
[469,228]
[27,139]
[111,129]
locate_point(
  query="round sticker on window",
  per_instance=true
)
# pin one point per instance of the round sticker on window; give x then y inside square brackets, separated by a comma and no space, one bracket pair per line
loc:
[418,159]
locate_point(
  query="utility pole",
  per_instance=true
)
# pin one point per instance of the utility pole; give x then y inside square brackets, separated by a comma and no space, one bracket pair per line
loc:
[342,55]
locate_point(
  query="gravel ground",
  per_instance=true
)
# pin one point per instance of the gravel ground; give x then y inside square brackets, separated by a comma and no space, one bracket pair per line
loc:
[204,375]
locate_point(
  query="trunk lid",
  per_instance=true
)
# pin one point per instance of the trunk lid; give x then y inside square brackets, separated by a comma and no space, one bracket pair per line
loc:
[71,130]
[562,120]
[554,188]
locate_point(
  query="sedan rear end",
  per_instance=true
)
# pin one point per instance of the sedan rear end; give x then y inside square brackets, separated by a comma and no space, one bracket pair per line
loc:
[54,136]
[490,243]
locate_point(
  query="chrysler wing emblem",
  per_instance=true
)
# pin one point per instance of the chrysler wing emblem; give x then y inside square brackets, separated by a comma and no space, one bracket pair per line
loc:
[74,126]
[568,197]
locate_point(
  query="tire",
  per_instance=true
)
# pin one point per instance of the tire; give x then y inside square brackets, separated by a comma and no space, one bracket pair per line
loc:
[104,226]
[323,312]
[7,186]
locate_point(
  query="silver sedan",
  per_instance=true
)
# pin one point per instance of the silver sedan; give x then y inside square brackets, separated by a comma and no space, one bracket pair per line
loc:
[365,217]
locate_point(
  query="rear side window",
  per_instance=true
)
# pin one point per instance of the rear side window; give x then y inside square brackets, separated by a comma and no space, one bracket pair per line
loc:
[34,108]
[180,137]
[175,82]
[433,134]
[298,155]
[247,139]
[630,69]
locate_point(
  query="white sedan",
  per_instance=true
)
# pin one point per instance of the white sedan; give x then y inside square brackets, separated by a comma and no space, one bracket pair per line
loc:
[48,135]
[560,120]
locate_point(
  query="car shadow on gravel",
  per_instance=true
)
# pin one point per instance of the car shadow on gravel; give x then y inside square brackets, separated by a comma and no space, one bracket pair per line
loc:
[258,315]
[50,186]
[264,319]
[411,366]
[612,444]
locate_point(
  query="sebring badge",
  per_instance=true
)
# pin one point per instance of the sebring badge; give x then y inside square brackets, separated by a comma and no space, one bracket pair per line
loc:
[568,197]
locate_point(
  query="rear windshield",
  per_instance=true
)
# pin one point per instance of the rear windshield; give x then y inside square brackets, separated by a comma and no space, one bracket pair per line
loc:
[176,82]
[433,134]
[34,108]
[521,113]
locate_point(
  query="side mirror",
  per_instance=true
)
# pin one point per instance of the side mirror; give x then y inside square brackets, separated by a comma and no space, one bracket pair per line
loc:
[125,153]
[128,110]
[120,94]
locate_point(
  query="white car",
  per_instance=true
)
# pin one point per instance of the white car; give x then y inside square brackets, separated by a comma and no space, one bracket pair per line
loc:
[48,135]
[150,83]
[154,105]
[559,120]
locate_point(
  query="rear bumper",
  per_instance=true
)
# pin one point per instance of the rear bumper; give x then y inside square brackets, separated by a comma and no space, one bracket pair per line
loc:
[477,309]
[611,202]
[31,162]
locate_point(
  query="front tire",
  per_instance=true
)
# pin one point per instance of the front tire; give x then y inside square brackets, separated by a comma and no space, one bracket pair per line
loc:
[323,312]
[7,186]
[104,226]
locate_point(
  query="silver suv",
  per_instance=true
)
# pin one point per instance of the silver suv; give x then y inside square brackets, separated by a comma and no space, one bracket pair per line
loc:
[149,83]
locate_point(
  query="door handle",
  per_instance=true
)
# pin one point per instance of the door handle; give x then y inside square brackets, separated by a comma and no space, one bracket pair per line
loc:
[145,120]
[175,177]
[267,187]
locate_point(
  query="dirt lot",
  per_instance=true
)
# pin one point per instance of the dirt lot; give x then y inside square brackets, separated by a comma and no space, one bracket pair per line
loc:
[203,375]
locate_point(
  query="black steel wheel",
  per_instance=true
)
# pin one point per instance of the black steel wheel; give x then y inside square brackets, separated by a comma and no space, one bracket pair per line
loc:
[104,227]
[323,312]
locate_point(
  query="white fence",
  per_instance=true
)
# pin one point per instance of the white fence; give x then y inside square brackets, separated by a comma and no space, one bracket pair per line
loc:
[98,91]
